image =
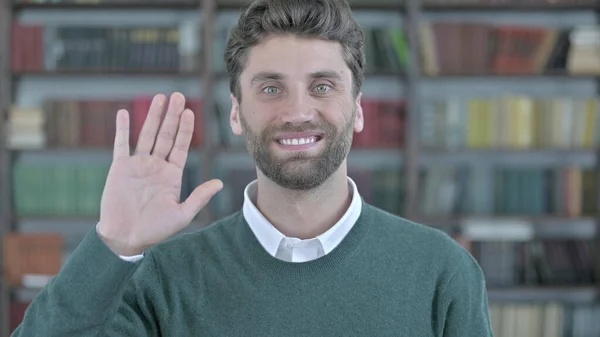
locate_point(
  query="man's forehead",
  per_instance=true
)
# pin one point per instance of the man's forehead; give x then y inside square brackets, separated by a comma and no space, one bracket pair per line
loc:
[291,57]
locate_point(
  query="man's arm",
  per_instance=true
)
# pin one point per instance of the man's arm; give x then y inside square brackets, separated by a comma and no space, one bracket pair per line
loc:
[465,303]
[97,293]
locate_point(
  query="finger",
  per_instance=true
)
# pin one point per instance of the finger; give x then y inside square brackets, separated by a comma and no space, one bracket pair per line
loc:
[179,153]
[151,124]
[121,143]
[168,129]
[199,197]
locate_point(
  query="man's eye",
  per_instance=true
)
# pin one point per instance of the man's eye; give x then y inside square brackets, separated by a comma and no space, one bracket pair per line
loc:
[323,88]
[271,90]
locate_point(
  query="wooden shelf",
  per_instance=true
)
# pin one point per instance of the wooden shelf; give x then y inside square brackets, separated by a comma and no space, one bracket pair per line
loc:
[550,75]
[541,227]
[111,72]
[223,75]
[355,4]
[107,5]
[389,5]
[572,295]
[534,157]
[366,158]
[532,7]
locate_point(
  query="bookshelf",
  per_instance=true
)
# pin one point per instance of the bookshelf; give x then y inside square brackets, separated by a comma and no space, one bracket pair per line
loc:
[406,168]
[5,156]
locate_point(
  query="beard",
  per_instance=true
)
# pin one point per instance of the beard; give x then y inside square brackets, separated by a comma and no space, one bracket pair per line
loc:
[299,171]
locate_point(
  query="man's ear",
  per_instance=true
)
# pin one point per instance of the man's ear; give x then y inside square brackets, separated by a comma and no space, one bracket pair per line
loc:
[359,120]
[234,118]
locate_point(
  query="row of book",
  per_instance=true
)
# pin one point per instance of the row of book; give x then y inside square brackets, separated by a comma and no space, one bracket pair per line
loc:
[480,48]
[556,262]
[550,319]
[37,47]
[507,121]
[66,123]
[87,123]
[31,260]
[58,189]
[510,121]
[446,48]
[506,265]
[52,189]
[562,191]
[550,263]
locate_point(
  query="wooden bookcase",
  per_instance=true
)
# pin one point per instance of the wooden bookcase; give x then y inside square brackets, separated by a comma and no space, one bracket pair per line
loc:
[412,157]
[5,156]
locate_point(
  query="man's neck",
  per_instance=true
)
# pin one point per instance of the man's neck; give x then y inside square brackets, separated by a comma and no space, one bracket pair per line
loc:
[304,214]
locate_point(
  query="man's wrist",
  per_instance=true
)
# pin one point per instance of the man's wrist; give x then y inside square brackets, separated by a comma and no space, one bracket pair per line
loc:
[119,247]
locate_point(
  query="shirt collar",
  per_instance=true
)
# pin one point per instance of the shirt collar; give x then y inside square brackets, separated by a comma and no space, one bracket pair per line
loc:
[270,237]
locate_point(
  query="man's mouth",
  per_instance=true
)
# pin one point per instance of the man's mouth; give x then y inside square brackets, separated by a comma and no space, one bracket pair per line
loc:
[300,141]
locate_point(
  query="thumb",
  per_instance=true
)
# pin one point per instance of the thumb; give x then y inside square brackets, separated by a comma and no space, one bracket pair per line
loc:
[200,197]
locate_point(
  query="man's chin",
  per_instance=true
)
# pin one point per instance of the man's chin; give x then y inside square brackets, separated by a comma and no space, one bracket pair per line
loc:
[300,180]
[297,157]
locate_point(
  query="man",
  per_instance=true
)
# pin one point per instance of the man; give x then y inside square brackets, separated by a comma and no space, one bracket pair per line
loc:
[306,256]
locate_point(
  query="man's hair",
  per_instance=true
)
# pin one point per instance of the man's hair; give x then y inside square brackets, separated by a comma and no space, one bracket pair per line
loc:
[329,20]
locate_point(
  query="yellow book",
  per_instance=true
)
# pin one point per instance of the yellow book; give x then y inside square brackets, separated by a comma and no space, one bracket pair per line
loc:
[590,122]
[474,125]
[523,114]
[538,123]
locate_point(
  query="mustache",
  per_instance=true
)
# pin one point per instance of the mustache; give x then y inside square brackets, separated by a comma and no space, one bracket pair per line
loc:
[303,127]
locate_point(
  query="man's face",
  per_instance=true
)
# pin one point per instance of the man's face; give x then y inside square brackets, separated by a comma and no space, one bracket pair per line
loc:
[297,111]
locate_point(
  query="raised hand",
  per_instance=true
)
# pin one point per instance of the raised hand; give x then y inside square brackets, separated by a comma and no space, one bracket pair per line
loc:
[140,204]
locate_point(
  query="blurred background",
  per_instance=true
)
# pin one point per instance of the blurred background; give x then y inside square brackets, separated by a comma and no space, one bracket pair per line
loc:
[482,120]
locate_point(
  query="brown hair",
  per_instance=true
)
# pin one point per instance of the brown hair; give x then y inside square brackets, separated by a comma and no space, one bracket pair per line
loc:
[322,19]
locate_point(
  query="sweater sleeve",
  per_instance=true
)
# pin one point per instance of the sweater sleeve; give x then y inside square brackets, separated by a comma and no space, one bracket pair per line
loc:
[96,293]
[465,302]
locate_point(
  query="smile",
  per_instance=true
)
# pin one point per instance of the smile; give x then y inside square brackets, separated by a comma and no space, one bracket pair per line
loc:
[298,141]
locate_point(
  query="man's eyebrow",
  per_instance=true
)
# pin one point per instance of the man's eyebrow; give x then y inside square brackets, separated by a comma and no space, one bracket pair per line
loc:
[326,74]
[274,76]
[266,76]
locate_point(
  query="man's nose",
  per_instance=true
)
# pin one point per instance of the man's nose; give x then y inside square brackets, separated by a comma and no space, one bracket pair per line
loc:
[299,107]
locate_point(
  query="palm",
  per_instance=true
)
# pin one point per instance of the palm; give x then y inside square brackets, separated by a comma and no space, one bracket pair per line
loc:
[141,201]
[149,189]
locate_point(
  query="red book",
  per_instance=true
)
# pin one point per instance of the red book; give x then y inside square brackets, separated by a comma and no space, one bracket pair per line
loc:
[391,124]
[196,106]
[368,136]
[17,314]
[139,111]
[16,47]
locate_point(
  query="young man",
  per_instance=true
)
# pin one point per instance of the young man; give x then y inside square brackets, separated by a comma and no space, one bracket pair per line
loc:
[306,256]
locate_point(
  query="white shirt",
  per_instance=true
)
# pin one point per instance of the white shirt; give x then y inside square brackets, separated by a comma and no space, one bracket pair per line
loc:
[288,248]
[294,249]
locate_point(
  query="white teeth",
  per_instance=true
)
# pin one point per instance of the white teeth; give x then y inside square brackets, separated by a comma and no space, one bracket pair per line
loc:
[298,141]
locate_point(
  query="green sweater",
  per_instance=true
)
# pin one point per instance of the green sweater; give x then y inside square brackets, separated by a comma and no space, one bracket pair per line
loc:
[388,277]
